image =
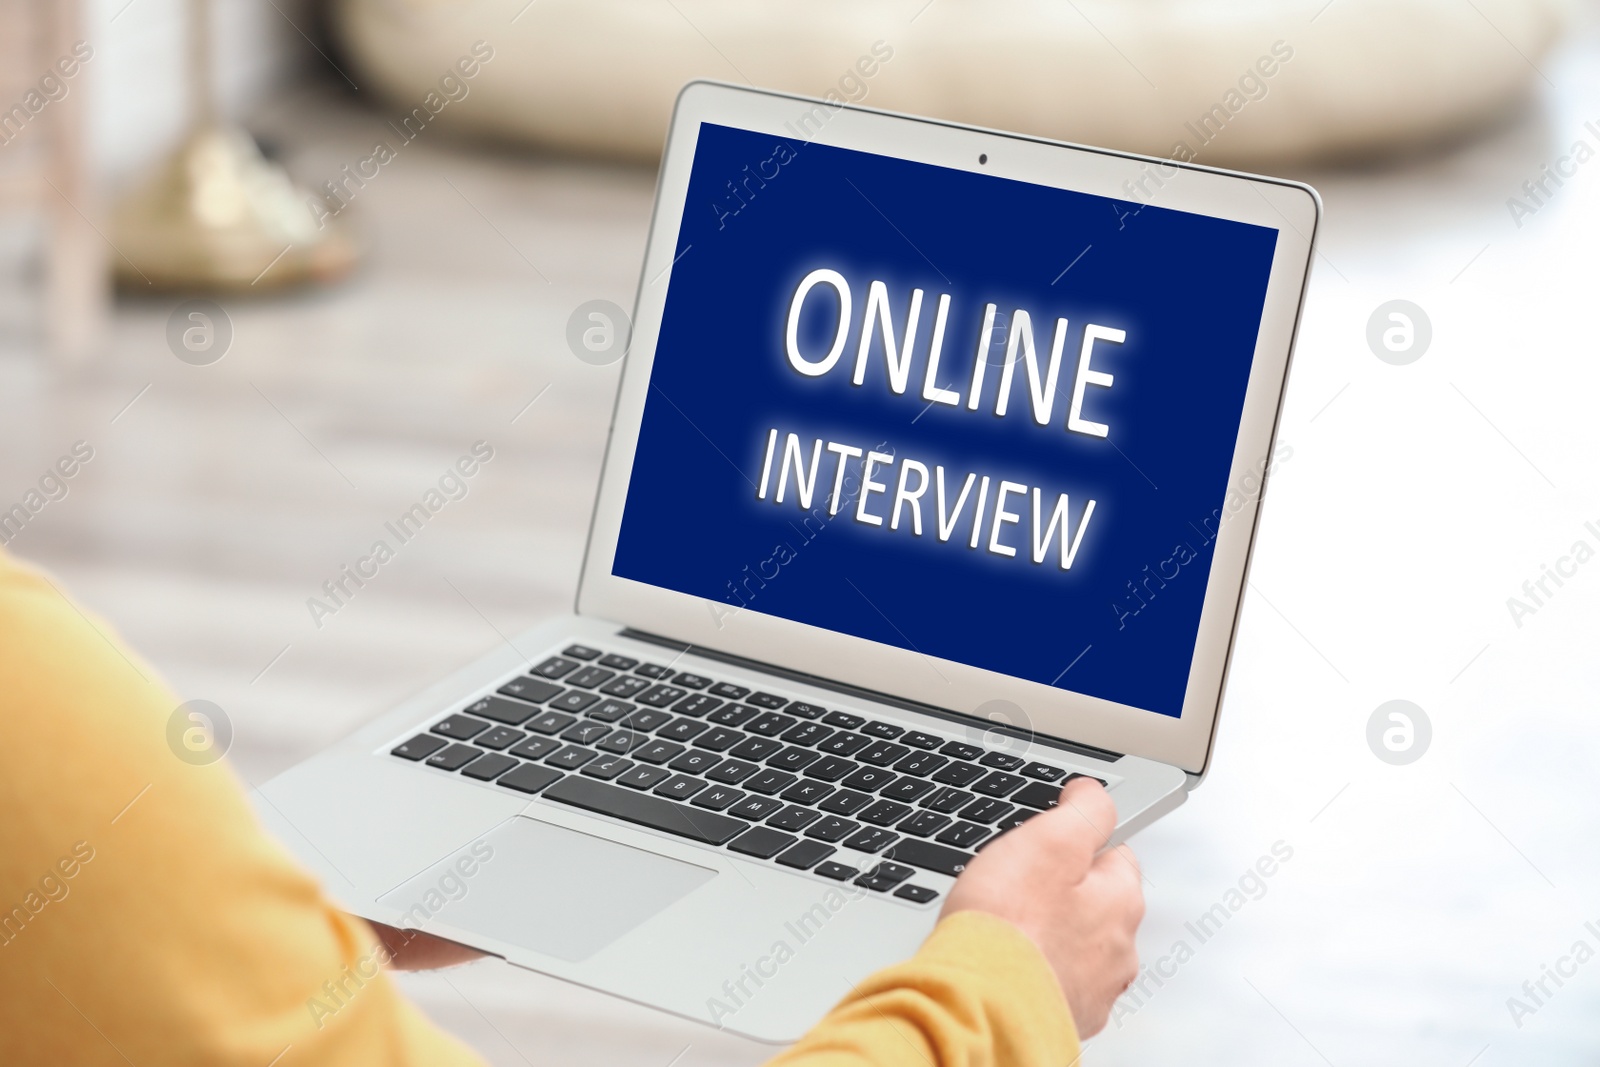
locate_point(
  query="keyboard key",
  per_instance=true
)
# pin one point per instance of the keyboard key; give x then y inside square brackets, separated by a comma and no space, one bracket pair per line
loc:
[583,652]
[845,802]
[587,732]
[885,813]
[611,710]
[807,733]
[510,712]
[555,667]
[879,885]
[691,681]
[1043,771]
[806,711]
[659,696]
[794,817]
[534,747]
[805,854]
[755,808]
[964,834]
[961,751]
[626,687]
[923,824]
[623,742]
[489,766]
[643,777]
[460,727]
[792,758]
[695,761]
[766,700]
[653,670]
[1070,777]
[929,857]
[843,720]
[679,787]
[530,689]
[657,752]
[607,767]
[718,739]
[869,779]
[769,782]
[645,719]
[697,705]
[985,809]
[498,738]
[921,764]
[573,700]
[571,757]
[590,677]
[682,730]
[718,797]
[837,871]
[958,774]
[871,839]
[882,754]
[528,778]
[882,729]
[659,814]
[455,757]
[756,748]
[761,842]
[947,800]
[831,768]
[998,784]
[1040,795]
[906,789]
[418,747]
[728,692]
[1003,760]
[917,894]
[894,873]
[832,828]
[806,791]
[551,722]
[918,739]
[769,725]
[1014,820]
[618,663]
[844,743]
[732,715]
[733,771]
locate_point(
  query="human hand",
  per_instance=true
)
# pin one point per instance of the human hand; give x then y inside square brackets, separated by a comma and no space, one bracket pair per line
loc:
[413,950]
[1080,909]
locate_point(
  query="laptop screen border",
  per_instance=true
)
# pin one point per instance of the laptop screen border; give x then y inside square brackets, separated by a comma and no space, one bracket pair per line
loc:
[1292,209]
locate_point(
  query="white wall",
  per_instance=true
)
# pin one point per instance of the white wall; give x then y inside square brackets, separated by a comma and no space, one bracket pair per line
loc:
[139,79]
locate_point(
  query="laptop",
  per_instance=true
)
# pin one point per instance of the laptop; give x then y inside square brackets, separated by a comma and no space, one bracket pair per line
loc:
[935,465]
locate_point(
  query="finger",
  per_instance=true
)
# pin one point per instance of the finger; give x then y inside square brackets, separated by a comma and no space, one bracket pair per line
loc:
[1092,809]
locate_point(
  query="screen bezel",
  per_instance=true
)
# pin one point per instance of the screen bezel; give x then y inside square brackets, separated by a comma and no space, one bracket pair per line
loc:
[1290,208]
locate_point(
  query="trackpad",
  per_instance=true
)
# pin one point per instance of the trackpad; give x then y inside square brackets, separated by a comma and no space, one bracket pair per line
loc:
[546,888]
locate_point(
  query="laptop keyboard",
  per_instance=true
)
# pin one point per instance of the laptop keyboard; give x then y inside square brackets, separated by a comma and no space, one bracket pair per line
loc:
[757,773]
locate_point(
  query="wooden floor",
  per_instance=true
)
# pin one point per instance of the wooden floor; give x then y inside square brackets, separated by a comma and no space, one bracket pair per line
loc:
[1418,498]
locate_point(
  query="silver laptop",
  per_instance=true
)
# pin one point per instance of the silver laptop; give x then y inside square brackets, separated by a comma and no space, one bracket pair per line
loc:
[931,484]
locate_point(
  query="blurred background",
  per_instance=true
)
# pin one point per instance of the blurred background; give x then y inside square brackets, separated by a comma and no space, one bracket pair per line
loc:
[272,265]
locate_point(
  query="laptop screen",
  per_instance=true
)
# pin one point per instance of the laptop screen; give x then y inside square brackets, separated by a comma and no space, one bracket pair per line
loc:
[981,419]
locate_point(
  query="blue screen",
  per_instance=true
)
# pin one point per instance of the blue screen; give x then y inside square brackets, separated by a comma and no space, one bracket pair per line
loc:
[1060,531]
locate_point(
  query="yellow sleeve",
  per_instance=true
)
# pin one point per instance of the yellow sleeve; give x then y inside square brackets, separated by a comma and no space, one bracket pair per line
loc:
[977,994]
[145,916]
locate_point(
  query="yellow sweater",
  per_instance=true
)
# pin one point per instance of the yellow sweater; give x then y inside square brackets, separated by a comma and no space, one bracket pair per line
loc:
[146,918]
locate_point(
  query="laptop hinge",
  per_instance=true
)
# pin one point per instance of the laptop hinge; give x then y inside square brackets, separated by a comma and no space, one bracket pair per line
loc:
[846,689]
